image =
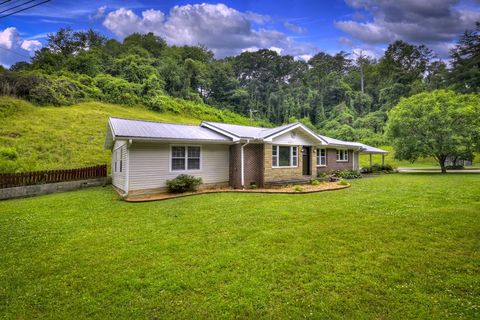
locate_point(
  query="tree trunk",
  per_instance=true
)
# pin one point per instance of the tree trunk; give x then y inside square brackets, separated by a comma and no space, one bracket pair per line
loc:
[441,161]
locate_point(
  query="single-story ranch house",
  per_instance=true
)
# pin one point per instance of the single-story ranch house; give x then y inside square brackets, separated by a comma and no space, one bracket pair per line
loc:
[146,154]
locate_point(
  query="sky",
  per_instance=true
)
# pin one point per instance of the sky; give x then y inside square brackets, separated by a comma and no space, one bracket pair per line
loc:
[297,28]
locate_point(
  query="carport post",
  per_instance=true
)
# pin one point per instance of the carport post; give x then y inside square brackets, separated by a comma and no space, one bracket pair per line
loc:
[370,161]
[383,159]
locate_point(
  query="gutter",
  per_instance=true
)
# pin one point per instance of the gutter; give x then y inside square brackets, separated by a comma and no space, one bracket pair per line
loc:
[242,163]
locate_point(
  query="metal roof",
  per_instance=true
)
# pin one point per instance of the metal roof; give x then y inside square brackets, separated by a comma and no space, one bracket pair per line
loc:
[247,132]
[141,129]
[160,130]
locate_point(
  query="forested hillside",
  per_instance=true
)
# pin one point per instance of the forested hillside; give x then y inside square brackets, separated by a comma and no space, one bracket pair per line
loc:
[341,95]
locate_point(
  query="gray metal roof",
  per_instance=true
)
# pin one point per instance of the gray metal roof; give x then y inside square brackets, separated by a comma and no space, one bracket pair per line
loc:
[248,132]
[141,129]
[159,130]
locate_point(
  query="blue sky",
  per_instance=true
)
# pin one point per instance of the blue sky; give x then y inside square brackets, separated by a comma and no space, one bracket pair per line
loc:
[298,28]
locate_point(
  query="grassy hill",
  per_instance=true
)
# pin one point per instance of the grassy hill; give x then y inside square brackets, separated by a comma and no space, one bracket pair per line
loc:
[42,138]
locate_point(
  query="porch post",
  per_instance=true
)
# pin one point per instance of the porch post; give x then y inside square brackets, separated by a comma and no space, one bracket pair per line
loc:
[370,161]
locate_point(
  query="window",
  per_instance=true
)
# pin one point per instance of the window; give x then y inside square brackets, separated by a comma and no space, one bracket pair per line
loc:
[284,156]
[185,158]
[321,157]
[342,155]
[121,160]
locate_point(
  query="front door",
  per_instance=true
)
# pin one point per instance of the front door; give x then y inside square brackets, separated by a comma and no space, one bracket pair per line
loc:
[306,160]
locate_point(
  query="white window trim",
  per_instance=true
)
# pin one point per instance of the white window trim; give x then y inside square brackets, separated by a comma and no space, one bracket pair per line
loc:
[319,157]
[346,155]
[278,166]
[186,158]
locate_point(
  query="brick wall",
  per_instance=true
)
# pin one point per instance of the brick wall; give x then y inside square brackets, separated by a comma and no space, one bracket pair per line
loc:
[253,165]
[279,174]
[333,164]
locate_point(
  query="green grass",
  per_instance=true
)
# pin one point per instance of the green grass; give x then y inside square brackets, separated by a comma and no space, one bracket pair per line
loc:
[69,137]
[392,247]
[428,162]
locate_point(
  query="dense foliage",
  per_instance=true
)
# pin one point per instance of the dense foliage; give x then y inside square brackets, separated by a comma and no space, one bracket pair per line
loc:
[438,124]
[183,183]
[346,96]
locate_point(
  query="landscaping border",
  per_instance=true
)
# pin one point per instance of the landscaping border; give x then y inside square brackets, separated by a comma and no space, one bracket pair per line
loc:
[162,197]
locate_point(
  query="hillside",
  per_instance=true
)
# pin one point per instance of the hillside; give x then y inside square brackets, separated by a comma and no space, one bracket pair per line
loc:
[42,138]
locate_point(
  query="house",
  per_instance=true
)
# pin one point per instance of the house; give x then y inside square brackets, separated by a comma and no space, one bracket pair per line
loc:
[145,154]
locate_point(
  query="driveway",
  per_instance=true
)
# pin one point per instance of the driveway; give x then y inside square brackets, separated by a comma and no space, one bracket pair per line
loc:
[437,170]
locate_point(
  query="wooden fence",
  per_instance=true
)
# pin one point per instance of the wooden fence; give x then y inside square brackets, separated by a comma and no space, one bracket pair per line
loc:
[8,180]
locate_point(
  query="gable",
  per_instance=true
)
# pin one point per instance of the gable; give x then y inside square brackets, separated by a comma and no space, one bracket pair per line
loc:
[295,137]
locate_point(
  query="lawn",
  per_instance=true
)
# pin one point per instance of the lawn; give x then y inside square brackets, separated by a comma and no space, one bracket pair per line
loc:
[428,162]
[394,246]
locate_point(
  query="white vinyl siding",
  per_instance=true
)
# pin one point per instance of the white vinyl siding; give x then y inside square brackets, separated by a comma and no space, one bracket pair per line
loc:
[295,137]
[119,157]
[150,165]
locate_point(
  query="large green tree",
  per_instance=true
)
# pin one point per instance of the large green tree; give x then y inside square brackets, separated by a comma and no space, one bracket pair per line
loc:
[438,124]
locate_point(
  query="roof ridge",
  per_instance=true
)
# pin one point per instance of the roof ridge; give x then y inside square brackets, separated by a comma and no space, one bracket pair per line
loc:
[164,122]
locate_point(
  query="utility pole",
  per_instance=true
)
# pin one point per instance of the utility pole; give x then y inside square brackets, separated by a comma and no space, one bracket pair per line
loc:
[362,76]
[251,112]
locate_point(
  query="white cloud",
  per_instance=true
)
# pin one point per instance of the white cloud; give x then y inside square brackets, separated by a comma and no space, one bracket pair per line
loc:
[293,27]
[13,48]
[99,13]
[31,45]
[436,23]
[222,29]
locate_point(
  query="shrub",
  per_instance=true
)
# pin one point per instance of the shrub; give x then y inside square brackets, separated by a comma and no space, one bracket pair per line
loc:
[298,188]
[117,90]
[321,174]
[454,167]
[315,182]
[183,183]
[347,174]
[343,182]
[377,168]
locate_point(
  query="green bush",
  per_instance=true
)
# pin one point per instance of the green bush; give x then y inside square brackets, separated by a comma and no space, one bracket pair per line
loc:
[183,183]
[343,182]
[315,182]
[347,174]
[321,174]
[386,168]
[298,188]
[454,167]
[117,90]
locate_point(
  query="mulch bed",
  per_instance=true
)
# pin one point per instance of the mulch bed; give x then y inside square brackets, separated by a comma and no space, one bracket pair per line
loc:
[290,189]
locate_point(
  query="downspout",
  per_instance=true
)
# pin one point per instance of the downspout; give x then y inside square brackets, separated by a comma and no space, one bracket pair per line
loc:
[242,163]
[353,159]
[127,168]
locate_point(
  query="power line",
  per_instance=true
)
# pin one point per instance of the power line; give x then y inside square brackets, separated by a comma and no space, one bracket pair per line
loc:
[18,54]
[5,1]
[14,7]
[5,5]
[33,6]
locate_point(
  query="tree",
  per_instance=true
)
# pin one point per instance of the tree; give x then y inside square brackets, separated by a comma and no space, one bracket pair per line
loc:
[465,74]
[439,124]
